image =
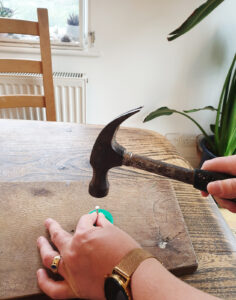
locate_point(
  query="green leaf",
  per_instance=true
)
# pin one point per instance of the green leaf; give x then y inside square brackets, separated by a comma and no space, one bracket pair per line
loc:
[230,127]
[226,115]
[225,124]
[162,111]
[203,108]
[198,15]
[231,146]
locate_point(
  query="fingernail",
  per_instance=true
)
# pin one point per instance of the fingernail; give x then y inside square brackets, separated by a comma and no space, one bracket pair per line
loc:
[215,188]
[205,164]
[47,221]
[39,240]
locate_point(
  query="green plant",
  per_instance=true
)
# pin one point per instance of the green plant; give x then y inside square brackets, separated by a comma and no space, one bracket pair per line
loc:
[197,16]
[5,12]
[73,19]
[224,128]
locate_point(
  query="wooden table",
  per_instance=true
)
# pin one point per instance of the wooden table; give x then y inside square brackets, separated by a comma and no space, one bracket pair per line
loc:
[48,151]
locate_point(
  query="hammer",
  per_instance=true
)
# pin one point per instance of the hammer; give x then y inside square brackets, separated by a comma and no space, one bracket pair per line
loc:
[107,154]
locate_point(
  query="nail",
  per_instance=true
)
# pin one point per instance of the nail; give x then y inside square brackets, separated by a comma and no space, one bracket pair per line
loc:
[39,272]
[215,188]
[97,208]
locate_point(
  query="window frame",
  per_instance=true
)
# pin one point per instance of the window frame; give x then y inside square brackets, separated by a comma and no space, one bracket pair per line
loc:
[83,35]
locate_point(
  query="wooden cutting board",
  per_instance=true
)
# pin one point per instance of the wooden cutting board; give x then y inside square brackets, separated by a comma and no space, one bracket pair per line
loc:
[148,211]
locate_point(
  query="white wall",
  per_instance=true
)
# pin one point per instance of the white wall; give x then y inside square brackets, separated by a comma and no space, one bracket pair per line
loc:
[138,66]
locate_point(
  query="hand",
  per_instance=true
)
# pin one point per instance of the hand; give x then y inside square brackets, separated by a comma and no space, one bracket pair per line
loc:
[222,189]
[86,257]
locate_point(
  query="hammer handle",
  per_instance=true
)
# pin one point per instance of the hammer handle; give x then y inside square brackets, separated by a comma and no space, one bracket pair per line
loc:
[159,167]
[198,178]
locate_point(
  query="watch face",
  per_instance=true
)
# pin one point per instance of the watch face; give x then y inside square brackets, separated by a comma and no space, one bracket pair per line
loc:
[113,290]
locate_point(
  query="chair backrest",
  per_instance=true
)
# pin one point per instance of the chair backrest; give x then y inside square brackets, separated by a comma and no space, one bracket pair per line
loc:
[44,67]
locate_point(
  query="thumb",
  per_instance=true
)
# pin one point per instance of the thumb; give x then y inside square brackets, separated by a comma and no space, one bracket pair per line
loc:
[86,221]
[102,221]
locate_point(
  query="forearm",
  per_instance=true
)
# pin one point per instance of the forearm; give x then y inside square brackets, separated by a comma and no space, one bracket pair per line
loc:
[152,281]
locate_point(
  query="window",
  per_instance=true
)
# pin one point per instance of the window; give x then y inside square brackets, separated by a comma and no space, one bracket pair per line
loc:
[67,19]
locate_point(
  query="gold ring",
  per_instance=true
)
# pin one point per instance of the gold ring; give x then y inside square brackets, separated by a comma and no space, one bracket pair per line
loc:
[55,263]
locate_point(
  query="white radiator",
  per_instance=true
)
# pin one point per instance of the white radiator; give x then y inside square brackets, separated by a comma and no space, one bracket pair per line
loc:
[70,96]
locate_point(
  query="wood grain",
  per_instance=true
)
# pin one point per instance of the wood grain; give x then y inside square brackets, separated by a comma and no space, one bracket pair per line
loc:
[20,65]
[48,151]
[149,213]
[22,100]
[19,27]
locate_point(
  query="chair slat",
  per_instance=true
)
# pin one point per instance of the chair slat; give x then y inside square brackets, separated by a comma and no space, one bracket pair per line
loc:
[19,27]
[46,64]
[44,67]
[20,66]
[22,101]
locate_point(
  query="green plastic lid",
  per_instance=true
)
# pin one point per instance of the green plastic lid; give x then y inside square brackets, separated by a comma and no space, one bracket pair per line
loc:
[106,213]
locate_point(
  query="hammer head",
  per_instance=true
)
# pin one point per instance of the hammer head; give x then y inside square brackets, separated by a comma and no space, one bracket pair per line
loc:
[106,154]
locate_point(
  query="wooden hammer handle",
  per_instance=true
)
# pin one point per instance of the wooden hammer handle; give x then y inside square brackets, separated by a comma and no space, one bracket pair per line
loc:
[158,167]
[198,178]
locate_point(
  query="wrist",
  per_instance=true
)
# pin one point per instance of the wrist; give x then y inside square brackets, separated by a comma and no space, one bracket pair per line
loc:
[143,278]
[118,284]
[143,267]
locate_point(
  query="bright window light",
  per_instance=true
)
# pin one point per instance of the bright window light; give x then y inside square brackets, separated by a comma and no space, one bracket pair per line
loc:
[64,18]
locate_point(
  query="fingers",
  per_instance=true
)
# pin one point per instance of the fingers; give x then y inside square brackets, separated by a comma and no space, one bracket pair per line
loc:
[59,236]
[102,221]
[223,188]
[47,254]
[54,289]
[86,222]
[226,164]
[231,206]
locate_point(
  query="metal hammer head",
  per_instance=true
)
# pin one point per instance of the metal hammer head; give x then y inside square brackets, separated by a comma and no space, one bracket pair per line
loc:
[106,154]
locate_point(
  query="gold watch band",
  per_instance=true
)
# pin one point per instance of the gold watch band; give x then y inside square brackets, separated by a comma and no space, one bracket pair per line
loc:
[130,262]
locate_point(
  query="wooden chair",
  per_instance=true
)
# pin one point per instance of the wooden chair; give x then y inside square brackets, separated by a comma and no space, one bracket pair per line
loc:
[43,67]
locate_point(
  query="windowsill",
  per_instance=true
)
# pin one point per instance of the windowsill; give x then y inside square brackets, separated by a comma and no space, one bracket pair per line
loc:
[56,49]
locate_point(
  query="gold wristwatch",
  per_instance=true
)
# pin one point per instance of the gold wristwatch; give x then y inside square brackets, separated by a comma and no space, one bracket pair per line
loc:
[117,285]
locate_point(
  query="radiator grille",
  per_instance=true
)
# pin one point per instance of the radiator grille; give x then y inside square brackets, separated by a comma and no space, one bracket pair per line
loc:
[70,95]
